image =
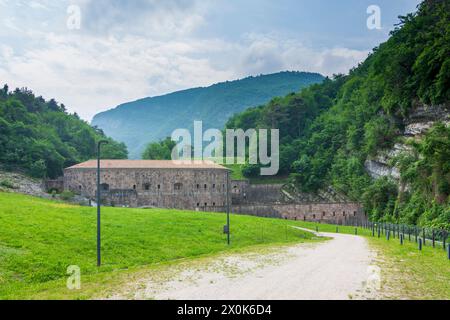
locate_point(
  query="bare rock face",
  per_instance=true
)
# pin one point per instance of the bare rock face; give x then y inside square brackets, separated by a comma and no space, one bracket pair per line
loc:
[19,183]
[425,113]
[378,170]
[421,119]
[380,165]
[416,129]
[424,117]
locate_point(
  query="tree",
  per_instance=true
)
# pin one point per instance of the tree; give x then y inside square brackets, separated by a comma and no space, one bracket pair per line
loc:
[41,139]
[159,150]
[4,92]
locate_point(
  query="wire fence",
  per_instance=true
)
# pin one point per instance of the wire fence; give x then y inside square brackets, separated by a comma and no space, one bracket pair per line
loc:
[423,236]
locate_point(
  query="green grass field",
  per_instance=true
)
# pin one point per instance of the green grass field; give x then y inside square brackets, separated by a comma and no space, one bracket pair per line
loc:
[407,273]
[39,239]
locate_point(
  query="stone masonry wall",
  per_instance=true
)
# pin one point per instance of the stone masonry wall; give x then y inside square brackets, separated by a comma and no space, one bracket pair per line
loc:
[334,213]
[242,192]
[162,188]
[201,190]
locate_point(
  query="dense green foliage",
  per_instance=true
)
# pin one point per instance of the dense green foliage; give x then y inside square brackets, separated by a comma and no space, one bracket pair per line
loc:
[329,130]
[161,150]
[426,171]
[39,239]
[41,138]
[292,114]
[151,119]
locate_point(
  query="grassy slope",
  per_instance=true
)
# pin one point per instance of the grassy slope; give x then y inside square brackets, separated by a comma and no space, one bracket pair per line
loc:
[407,273]
[39,239]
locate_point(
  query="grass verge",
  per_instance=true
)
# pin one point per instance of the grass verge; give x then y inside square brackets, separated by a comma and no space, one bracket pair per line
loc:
[407,273]
[40,238]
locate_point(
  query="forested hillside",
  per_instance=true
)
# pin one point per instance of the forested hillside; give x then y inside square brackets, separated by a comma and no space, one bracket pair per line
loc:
[152,119]
[40,138]
[330,131]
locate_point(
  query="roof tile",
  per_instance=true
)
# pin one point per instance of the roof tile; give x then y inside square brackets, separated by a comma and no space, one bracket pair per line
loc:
[148,164]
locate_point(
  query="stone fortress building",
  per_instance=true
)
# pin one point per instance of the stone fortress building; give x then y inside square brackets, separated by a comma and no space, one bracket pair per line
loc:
[149,183]
[275,200]
[200,186]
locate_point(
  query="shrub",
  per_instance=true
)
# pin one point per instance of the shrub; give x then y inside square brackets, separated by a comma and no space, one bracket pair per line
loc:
[7,184]
[67,195]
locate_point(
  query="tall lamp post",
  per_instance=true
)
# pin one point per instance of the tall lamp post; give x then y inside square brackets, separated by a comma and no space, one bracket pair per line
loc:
[99,257]
[228,207]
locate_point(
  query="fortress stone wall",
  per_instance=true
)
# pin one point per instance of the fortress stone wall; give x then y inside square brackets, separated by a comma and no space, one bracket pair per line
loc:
[200,187]
[334,213]
[151,184]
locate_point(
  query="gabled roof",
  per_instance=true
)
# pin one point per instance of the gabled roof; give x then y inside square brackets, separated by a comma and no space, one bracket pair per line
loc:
[148,164]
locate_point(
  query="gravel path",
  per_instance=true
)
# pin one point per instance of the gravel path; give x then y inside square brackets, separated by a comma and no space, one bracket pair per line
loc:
[337,269]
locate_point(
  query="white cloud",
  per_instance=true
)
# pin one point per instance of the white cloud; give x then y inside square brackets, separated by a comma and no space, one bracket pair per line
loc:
[271,53]
[89,74]
[154,18]
[129,50]
[37,5]
[11,24]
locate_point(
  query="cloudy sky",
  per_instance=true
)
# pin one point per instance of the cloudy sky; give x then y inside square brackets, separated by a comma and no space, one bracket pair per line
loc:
[128,49]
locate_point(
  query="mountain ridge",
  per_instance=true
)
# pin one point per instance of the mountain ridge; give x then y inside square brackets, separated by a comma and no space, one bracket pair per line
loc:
[214,105]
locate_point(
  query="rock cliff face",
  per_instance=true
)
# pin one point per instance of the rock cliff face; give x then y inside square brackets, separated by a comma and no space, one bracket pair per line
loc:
[415,125]
[19,183]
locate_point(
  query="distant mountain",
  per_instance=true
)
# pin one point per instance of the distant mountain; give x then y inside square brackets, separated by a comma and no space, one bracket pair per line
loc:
[151,119]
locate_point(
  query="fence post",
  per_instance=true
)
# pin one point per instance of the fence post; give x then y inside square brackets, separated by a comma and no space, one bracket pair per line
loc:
[388,235]
[379,231]
[448,251]
[420,244]
[401,239]
[433,239]
[409,233]
[415,233]
[423,236]
[444,237]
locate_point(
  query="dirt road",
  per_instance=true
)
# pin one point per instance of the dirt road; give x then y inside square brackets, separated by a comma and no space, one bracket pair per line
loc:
[337,269]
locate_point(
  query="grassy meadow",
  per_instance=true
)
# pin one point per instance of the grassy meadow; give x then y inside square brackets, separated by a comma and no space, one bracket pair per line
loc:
[40,238]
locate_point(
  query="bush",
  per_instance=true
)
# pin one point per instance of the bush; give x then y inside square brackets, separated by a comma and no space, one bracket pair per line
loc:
[38,169]
[67,195]
[251,170]
[7,184]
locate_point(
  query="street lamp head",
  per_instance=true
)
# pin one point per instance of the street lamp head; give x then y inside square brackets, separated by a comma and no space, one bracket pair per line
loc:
[99,145]
[103,142]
